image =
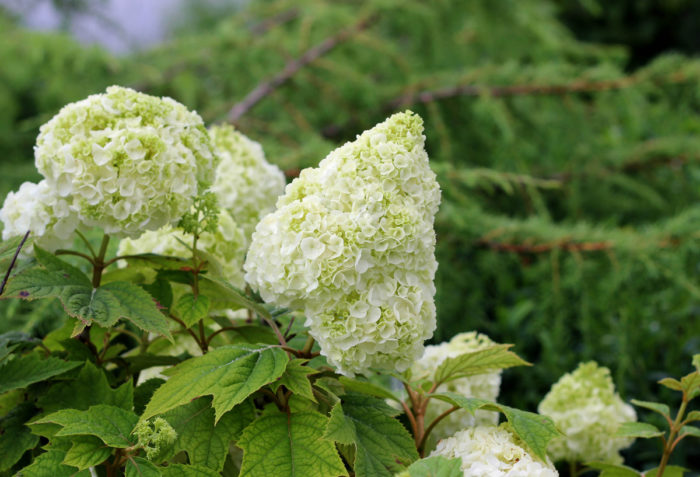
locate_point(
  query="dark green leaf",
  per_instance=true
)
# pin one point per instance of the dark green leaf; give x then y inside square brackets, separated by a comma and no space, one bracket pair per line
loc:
[483,361]
[639,429]
[140,467]
[138,307]
[162,291]
[206,443]
[111,424]
[158,261]
[366,387]
[382,445]
[289,445]
[191,309]
[50,464]
[15,437]
[230,374]
[613,470]
[144,392]
[436,466]
[296,379]
[22,371]
[181,470]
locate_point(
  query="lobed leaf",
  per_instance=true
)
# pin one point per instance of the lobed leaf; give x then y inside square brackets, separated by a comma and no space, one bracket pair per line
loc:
[86,452]
[382,445]
[230,374]
[296,379]
[290,445]
[22,371]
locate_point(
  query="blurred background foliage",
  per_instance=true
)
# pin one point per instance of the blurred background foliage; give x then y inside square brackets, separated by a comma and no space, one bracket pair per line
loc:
[565,135]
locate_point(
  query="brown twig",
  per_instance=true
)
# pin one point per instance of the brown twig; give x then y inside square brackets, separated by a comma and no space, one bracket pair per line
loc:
[267,87]
[12,263]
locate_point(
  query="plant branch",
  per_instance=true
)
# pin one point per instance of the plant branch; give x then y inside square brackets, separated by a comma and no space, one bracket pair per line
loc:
[267,87]
[77,254]
[432,425]
[12,263]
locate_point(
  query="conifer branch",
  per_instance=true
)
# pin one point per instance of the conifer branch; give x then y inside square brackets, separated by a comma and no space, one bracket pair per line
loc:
[290,69]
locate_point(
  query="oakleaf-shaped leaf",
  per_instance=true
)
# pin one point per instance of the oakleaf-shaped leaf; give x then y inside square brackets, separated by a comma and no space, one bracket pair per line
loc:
[140,467]
[181,470]
[111,424]
[229,373]
[639,429]
[138,307]
[15,437]
[289,445]
[86,452]
[483,361]
[22,371]
[296,379]
[382,445]
[191,309]
[436,466]
[206,444]
[662,409]
[535,430]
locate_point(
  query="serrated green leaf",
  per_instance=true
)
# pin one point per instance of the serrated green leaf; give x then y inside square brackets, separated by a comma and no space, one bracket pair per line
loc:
[50,464]
[140,467]
[290,445]
[144,392]
[138,307]
[535,430]
[613,470]
[54,264]
[662,409]
[670,471]
[691,431]
[111,424]
[296,379]
[382,445]
[191,309]
[162,291]
[86,452]
[15,437]
[254,334]
[89,388]
[483,361]
[639,429]
[181,470]
[229,373]
[436,466]
[22,371]
[672,384]
[366,387]
[228,293]
[206,444]
[158,261]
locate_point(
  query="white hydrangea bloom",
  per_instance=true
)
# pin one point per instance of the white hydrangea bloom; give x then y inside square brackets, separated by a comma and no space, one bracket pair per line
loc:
[226,245]
[126,161]
[489,451]
[36,208]
[246,184]
[352,244]
[483,386]
[585,407]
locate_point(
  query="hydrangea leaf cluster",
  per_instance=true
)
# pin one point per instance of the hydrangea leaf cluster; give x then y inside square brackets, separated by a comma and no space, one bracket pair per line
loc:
[352,244]
[490,451]
[484,386]
[585,407]
[122,161]
[227,244]
[246,184]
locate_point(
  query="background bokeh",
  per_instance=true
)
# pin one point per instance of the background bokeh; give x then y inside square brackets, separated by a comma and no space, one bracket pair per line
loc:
[565,134]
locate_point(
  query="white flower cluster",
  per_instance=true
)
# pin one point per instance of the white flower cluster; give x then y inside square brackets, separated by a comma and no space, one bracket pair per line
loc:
[586,408]
[122,161]
[246,184]
[483,386]
[352,244]
[227,245]
[489,451]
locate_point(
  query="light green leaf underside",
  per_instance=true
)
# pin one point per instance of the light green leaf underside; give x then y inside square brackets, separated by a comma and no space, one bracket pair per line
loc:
[289,445]
[535,430]
[111,424]
[436,466]
[382,445]
[230,374]
[25,370]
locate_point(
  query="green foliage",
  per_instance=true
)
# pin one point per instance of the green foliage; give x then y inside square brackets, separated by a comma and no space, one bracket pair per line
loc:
[478,362]
[289,444]
[22,371]
[382,444]
[436,466]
